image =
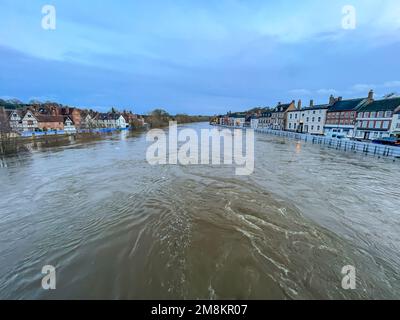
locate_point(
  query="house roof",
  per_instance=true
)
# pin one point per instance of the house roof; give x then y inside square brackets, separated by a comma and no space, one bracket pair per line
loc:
[237,115]
[109,116]
[9,112]
[317,107]
[66,118]
[381,105]
[347,105]
[48,118]
[282,107]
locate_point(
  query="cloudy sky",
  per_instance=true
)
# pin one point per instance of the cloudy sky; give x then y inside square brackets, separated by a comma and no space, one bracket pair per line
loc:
[197,57]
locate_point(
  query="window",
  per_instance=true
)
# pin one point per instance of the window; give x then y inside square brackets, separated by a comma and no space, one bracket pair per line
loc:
[318,128]
[371,124]
[385,125]
[388,114]
[312,127]
[313,112]
[364,124]
[308,119]
[373,114]
[295,116]
[378,124]
[313,119]
[319,119]
[290,126]
[380,114]
[291,116]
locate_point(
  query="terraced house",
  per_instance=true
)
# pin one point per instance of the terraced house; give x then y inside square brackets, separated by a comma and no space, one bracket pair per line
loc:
[237,119]
[341,116]
[374,120]
[265,119]
[395,129]
[307,120]
[279,115]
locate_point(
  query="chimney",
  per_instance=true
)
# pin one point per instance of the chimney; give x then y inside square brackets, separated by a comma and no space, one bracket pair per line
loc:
[371,95]
[332,100]
[299,105]
[279,103]
[311,103]
[340,98]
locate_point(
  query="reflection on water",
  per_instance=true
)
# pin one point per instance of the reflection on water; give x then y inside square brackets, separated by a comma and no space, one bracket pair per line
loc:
[115,227]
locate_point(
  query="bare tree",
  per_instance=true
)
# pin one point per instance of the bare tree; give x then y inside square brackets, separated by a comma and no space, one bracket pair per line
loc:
[8,141]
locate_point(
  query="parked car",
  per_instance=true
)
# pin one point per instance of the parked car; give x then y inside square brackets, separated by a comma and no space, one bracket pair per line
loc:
[390,141]
[339,137]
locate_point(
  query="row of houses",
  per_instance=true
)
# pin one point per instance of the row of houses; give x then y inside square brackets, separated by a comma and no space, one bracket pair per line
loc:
[54,117]
[362,119]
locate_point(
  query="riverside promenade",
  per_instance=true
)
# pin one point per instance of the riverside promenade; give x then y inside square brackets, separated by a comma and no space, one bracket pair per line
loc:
[367,148]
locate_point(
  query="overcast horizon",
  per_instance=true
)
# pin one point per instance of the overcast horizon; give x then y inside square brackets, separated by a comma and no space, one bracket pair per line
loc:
[197,58]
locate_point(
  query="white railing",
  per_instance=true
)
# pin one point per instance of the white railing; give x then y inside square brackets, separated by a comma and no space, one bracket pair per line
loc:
[338,144]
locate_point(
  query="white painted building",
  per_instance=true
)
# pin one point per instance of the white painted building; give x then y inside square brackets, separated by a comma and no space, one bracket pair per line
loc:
[307,120]
[254,122]
[69,126]
[15,119]
[314,119]
[395,128]
[29,122]
[237,119]
[293,121]
[121,123]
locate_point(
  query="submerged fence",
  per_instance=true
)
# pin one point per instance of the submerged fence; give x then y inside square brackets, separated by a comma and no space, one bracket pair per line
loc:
[367,148]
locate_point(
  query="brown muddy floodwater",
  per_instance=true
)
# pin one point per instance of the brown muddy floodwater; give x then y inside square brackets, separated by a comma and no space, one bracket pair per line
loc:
[115,227]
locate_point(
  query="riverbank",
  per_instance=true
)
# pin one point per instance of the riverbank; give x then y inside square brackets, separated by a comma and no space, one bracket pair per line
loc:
[12,143]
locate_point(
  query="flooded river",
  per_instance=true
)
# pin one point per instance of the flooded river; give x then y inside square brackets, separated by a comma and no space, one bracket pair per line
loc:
[115,227]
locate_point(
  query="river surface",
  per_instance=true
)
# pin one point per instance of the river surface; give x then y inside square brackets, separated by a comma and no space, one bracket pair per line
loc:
[115,227]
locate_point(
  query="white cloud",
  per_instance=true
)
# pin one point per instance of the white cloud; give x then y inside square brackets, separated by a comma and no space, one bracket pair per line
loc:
[392,84]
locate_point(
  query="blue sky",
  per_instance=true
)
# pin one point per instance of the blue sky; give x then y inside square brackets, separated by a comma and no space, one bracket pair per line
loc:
[197,57]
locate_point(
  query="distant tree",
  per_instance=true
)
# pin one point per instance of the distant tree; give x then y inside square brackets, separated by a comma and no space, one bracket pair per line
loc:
[158,118]
[15,101]
[35,102]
